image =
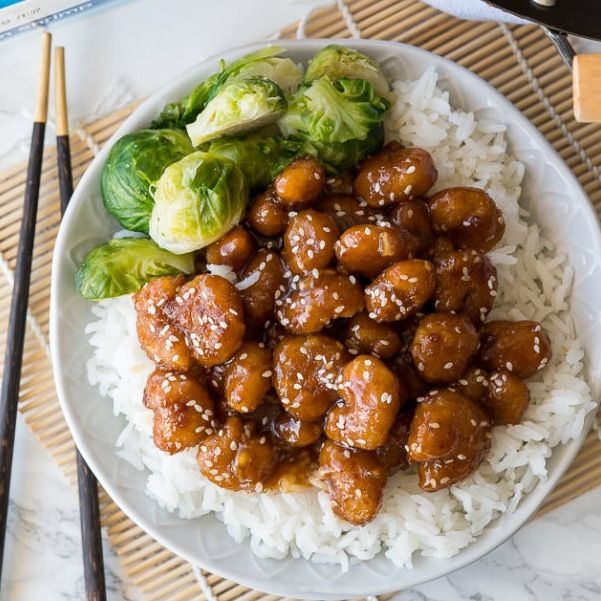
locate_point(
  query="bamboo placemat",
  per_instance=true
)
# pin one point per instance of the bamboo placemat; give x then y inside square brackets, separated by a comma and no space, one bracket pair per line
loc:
[519,61]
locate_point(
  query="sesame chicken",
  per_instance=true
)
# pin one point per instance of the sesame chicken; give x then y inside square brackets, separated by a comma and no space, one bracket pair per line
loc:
[466,282]
[354,480]
[305,374]
[473,384]
[183,410]
[468,216]
[507,398]
[369,249]
[247,377]
[400,290]
[235,457]
[519,347]
[234,249]
[208,310]
[260,296]
[394,175]
[301,183]
[364,335]
[449,437]
[319,298]
[443,345]
[158,338]
[371,398]
[414,217]
[309,241]
[266,215]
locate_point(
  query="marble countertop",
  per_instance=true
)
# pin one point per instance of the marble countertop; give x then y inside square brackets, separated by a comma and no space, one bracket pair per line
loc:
[555,558]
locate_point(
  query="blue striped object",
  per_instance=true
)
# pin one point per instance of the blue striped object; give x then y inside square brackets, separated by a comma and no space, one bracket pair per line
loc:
[4,3]
[21,15]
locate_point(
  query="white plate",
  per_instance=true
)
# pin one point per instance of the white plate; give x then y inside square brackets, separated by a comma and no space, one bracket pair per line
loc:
[559,206]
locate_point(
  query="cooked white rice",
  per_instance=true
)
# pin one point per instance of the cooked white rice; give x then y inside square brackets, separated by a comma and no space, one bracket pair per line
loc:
[534,284]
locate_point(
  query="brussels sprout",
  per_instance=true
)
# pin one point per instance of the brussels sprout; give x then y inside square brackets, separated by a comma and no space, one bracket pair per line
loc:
[134,163]
[240,106]
[197,200]
[282,71]
[124,265]
[340,122]
[336,62]
[260,155]
[341,156]
[263,63]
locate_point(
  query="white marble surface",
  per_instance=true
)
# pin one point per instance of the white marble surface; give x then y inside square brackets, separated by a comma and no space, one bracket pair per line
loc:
[43,547]
[124,53]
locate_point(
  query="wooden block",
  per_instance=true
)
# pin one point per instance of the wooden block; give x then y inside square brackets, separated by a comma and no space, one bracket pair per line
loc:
[587,88]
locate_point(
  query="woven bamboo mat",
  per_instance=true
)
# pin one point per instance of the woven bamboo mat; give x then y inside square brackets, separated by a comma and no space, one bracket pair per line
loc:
[518,61]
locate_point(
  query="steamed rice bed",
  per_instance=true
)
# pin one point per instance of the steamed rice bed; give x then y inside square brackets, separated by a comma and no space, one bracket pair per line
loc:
[534,283]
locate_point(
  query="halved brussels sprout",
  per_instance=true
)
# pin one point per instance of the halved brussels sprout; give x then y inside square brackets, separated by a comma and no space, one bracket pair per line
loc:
[264,63]
[337,62]
[260,155]
[341,121]
[135,163]
[197,200]
[124,265]
[242,105]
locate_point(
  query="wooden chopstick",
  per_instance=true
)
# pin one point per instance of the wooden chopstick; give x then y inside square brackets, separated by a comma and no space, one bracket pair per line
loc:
[9,394]
[65,177]
[89,513]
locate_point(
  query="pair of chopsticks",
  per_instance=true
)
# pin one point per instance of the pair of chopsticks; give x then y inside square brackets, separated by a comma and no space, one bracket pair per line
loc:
[9,393]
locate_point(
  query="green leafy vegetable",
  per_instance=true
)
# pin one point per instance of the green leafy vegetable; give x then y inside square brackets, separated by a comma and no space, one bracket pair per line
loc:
[341,156]
[340,122]
[260,155]
[263,63]
[134,164]
[242,105]
[282,71]
[124,265]
[337,62]
[197,200]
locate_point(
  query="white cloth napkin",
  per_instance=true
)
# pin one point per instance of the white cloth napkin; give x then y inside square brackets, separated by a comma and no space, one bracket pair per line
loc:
[475,10]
